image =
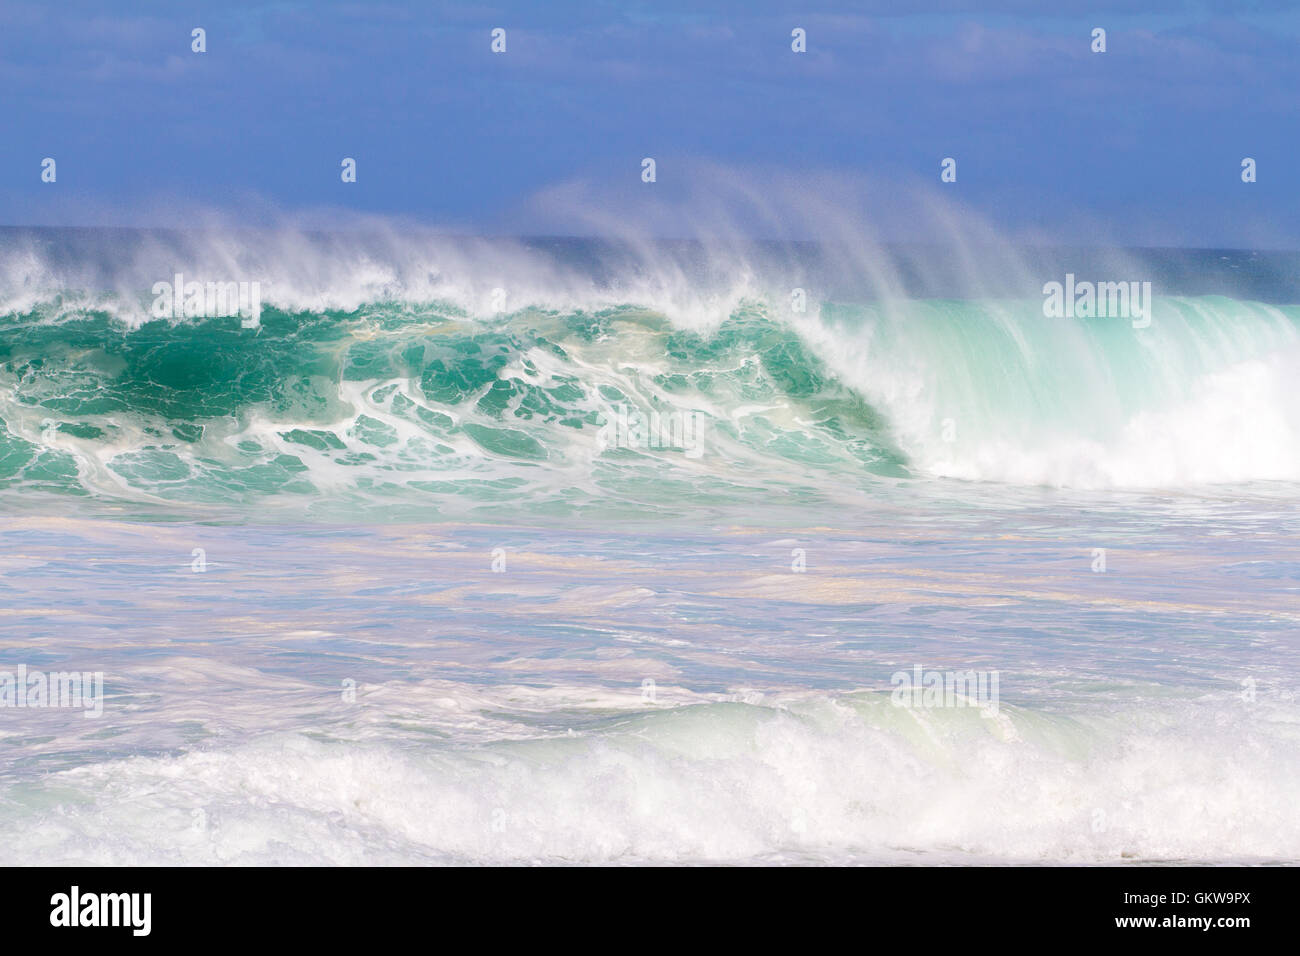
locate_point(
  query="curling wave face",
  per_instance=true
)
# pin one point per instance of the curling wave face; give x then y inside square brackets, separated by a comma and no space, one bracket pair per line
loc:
[373,388]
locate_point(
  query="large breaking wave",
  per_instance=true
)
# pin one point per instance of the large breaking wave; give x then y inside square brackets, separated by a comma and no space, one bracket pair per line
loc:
[469,376]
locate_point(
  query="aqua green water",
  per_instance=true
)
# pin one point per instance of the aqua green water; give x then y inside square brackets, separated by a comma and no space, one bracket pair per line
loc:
[404,409]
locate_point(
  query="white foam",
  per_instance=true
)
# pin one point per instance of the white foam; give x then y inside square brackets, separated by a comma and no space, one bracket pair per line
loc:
[795,779]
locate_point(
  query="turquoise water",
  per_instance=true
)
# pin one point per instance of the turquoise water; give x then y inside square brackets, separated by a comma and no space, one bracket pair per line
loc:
[400,410]
[399,577]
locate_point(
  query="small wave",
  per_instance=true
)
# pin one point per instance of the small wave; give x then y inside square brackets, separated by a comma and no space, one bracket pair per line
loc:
[848,779]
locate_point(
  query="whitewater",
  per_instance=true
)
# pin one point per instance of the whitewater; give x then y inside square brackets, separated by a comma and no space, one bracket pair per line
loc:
[383,579]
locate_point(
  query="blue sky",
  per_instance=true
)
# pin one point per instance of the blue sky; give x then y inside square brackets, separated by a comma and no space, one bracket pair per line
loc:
[1142,144]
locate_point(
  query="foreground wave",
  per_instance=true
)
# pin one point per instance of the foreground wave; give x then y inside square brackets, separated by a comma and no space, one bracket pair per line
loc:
[846,779]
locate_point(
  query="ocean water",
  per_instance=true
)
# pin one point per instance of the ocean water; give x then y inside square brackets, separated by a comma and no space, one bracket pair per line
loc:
[404,574]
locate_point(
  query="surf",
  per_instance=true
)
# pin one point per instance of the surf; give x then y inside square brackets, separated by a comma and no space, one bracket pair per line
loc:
[394,381]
